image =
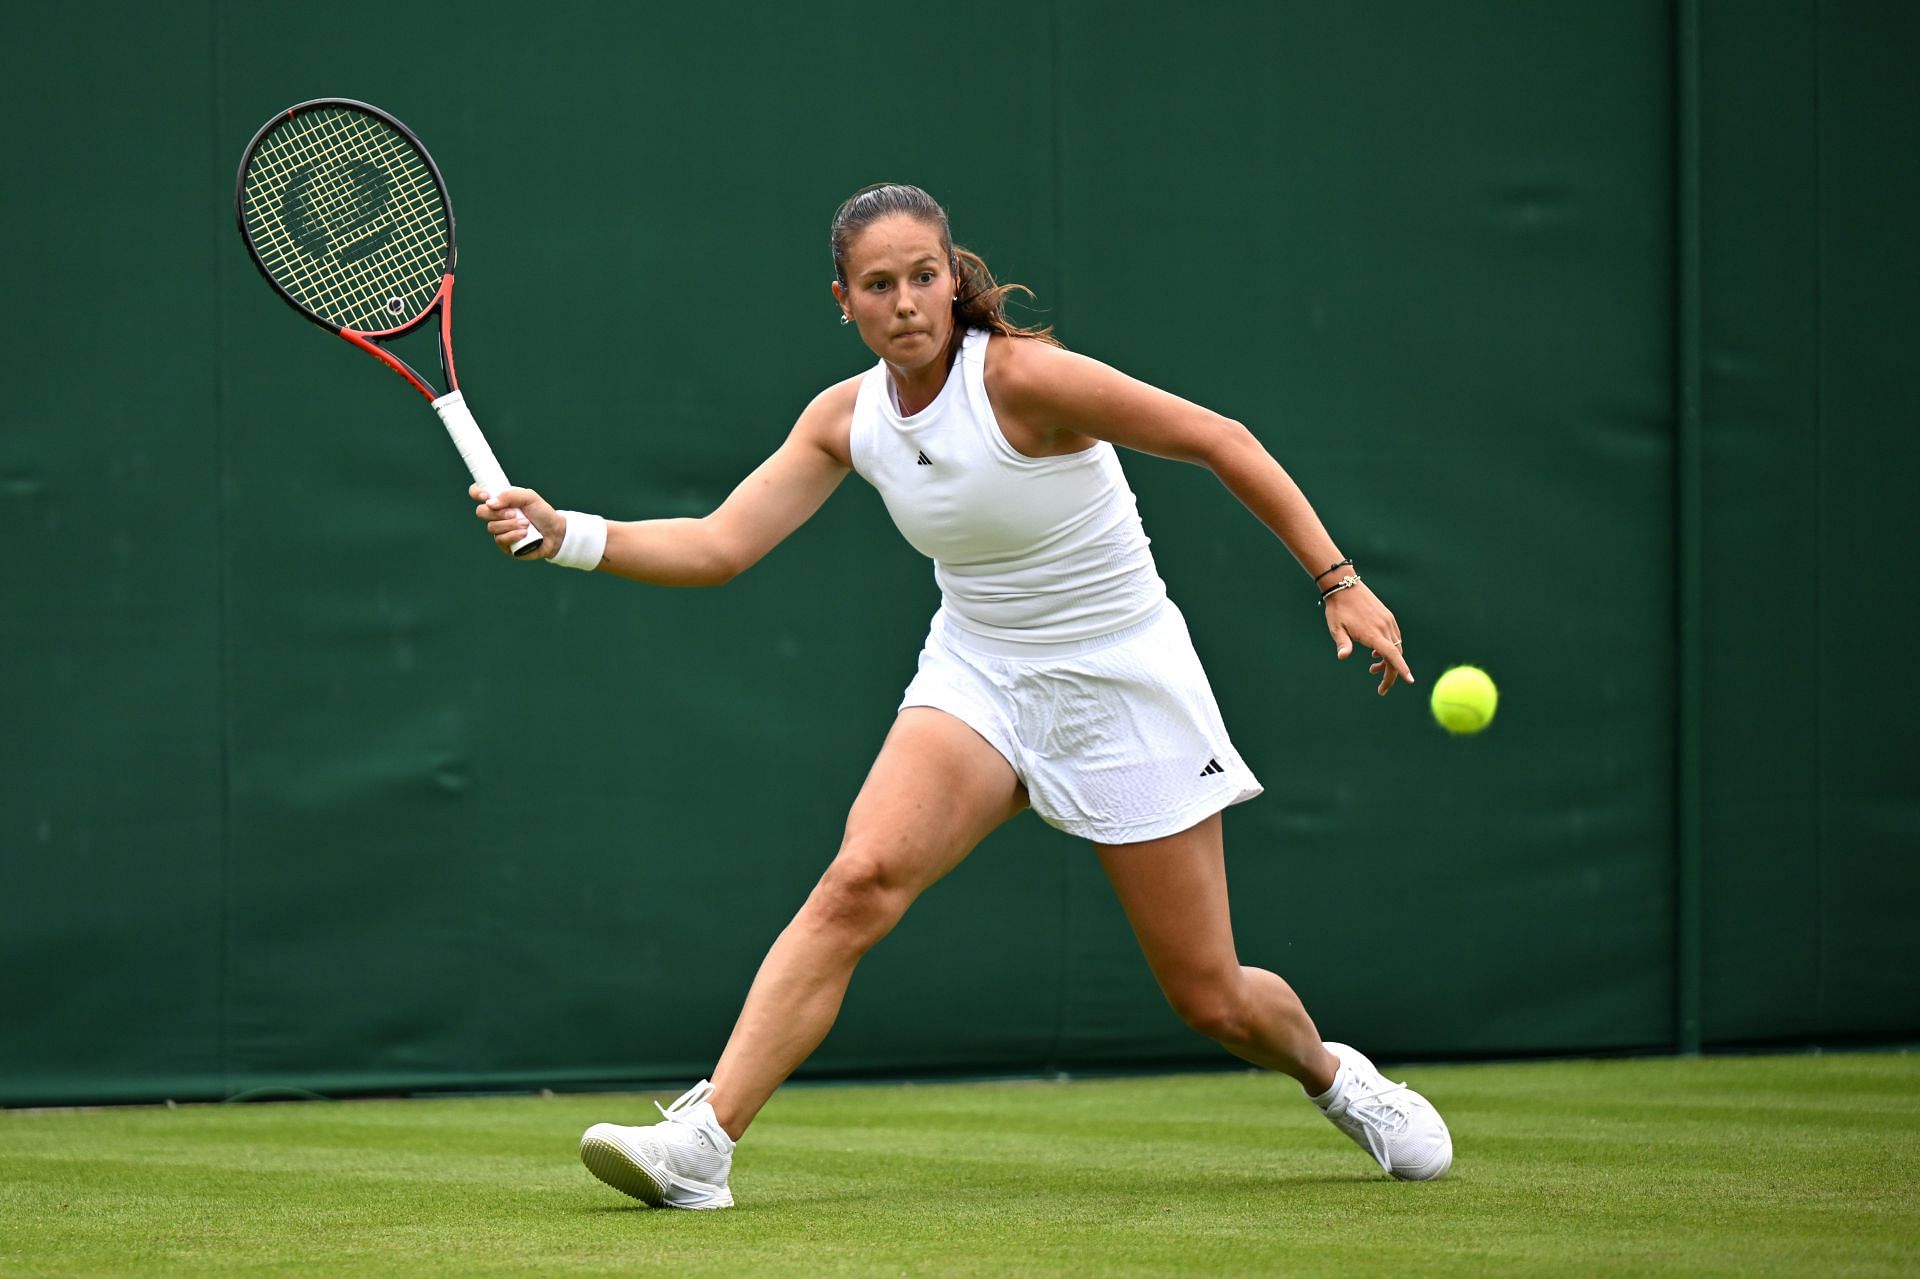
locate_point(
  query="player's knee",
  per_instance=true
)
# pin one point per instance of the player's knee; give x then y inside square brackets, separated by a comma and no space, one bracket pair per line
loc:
[857,900]
[1215,1008]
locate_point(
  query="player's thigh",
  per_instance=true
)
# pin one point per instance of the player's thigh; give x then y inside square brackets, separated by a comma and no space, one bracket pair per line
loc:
[935,790]
[1174,891]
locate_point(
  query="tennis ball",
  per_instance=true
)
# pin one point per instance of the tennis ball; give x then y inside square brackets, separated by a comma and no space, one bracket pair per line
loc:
[1463,699]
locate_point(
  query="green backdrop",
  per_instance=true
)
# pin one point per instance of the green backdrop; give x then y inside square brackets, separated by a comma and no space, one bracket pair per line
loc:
[1585,326]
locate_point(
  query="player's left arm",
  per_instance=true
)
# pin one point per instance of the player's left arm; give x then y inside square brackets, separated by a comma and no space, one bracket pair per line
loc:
[1055,395]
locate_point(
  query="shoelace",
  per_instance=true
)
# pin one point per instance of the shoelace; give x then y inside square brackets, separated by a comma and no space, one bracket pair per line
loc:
[1375,1103]
[677,1112]
[1380,1112]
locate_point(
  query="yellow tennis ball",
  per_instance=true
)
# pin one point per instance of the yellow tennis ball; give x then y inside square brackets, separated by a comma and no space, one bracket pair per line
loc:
[1463,699]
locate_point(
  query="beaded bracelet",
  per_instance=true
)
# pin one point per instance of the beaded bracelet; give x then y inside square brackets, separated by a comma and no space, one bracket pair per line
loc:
[1346,583]
[1346,563]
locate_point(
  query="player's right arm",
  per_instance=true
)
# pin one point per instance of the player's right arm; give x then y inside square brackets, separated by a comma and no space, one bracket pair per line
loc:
[779,496]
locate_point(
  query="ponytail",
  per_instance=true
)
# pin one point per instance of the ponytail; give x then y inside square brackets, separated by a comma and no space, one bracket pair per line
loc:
[981,302]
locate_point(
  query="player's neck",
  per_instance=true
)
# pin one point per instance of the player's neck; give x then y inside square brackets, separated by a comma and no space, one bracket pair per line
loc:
[915,389]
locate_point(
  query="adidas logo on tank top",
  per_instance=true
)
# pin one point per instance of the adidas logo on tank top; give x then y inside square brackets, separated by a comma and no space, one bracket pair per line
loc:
[1034,550]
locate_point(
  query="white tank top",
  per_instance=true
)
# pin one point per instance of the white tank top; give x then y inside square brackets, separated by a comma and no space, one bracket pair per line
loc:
[1042,550]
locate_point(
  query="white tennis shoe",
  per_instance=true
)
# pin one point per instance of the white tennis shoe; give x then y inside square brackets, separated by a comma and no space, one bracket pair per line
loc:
[681,1162]
[1390,1121]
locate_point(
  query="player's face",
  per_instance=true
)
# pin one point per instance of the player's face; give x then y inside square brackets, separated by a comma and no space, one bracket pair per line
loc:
[899,290]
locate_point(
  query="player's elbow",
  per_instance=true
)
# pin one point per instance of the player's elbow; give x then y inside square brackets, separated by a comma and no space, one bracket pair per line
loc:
[1226,443]
[714,570]
[721,558]
[1235,435]
[721,573]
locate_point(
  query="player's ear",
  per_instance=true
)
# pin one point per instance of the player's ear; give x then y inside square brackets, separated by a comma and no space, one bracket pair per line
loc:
[840,297]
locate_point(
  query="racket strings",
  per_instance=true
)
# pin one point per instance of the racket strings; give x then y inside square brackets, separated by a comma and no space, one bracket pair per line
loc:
[347,219]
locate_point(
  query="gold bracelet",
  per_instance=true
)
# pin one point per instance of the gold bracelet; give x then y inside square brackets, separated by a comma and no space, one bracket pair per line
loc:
[1346,583]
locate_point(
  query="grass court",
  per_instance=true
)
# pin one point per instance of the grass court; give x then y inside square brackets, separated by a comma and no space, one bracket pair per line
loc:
[1806,1165]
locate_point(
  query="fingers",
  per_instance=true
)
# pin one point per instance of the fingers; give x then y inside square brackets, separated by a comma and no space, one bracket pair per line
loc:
[515,498]
[511,512]
[505,526]
[1400,666]
[1390,664]
[1358,615]
[509,497]
[508,532]
[1342,642]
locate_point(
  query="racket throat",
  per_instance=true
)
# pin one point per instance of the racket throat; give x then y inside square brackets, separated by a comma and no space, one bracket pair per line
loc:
[444,300]
[392,361]
[370,343]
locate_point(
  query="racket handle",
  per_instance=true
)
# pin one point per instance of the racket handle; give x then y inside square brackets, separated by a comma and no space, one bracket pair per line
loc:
[481,463]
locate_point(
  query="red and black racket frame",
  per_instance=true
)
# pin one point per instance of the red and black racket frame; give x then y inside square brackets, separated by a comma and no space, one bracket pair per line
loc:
[366,340]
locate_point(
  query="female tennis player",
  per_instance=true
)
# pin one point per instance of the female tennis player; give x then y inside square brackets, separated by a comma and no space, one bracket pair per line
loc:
[1056,675]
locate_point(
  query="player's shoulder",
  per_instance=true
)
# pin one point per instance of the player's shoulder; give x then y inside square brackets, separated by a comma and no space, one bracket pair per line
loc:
[1021,370]
[827,421]
[1019,359]
[836,402]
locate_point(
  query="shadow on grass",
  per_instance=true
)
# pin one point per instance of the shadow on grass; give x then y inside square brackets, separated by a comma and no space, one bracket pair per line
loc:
[969,1199]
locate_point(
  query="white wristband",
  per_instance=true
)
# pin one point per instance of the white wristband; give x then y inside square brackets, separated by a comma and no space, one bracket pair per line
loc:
[585,541]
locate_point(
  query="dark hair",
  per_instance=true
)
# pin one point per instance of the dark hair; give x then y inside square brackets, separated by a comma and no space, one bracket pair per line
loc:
[982,302]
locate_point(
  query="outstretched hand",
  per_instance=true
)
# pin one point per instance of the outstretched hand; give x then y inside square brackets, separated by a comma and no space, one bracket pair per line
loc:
[508,513]
[1356,615]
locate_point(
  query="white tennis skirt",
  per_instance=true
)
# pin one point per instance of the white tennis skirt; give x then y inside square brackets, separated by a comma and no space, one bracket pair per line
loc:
[1118,739]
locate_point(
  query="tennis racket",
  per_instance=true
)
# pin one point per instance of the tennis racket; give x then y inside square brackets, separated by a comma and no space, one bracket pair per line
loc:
[346,216]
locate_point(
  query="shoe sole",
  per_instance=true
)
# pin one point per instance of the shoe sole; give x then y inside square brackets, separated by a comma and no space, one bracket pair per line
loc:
[631,1175]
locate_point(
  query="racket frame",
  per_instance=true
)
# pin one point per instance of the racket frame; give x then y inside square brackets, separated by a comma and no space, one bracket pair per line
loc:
[459,421]
[366,339]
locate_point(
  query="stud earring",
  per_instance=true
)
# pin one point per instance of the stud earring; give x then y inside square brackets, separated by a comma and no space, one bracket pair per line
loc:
[845,318]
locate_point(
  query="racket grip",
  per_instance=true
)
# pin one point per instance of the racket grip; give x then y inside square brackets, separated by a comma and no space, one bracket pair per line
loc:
[481,463]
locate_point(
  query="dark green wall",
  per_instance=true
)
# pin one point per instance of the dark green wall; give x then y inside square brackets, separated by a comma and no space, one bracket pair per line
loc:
[1807,332]
[1581,323]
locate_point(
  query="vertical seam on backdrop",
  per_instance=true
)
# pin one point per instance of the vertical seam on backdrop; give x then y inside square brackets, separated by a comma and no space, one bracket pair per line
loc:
[1689,444]
[222,569]
[1819,519]
[1063,997]
[1054,154]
